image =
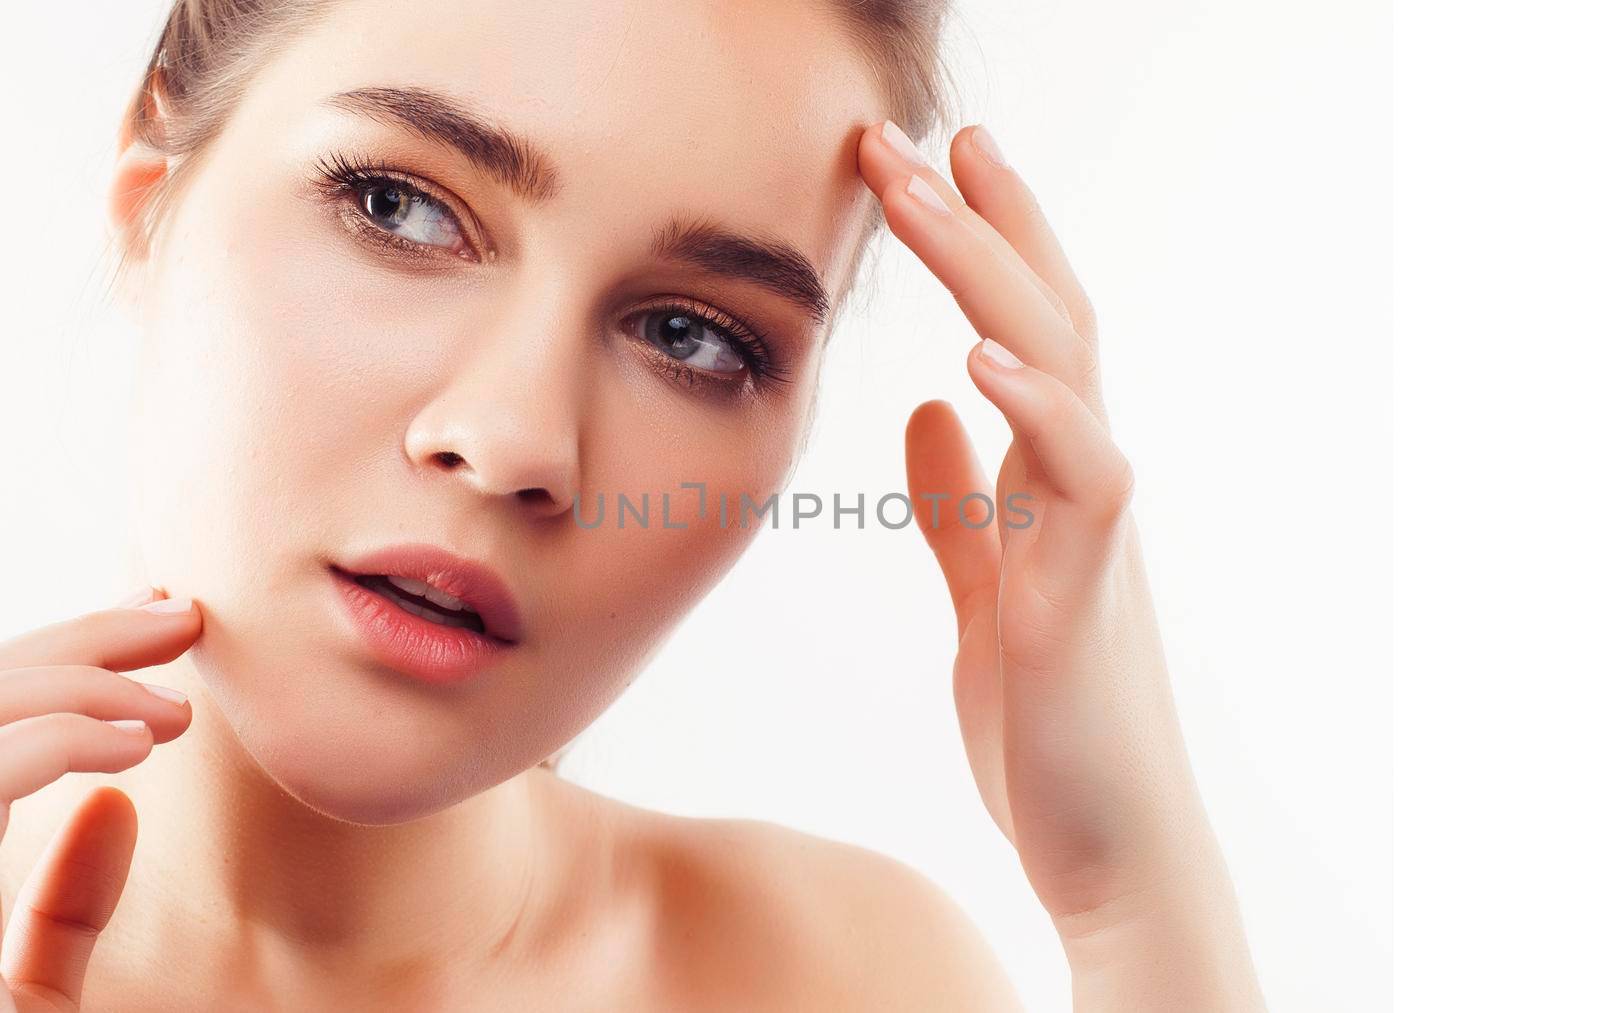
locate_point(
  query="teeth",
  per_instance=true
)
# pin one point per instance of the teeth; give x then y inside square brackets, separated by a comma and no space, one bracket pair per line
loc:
[443,619]
[431,593]
[381,585]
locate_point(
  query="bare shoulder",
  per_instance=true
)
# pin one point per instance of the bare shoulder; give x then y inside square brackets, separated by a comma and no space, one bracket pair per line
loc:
[769,917]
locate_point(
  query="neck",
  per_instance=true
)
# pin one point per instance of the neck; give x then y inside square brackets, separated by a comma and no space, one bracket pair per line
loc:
[236,879]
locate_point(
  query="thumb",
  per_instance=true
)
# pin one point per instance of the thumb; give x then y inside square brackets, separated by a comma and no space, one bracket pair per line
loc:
[942,468]
[68,898]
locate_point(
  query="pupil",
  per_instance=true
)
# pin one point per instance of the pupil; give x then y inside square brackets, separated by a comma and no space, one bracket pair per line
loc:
[681,344]
[385,204]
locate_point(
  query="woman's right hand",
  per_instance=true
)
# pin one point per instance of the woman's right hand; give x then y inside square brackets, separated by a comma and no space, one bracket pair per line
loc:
[60,692]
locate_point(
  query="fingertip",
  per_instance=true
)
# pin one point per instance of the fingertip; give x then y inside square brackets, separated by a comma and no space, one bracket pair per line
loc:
[973,353]
[137,597]
[181,618]
[170,606]
[965,142]
[105,814]
[930,410]
[1019,391]
[107,799]
[995,354]
[983,371]
[992,363]
[177,728]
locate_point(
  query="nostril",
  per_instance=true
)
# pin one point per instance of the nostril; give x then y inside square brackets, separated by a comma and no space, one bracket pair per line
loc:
[543,497]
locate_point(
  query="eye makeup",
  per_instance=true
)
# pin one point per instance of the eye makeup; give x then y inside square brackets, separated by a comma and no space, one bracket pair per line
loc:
[403,214]
[364,190]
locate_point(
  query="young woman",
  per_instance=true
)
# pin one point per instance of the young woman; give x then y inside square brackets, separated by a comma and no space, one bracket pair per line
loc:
[413,279]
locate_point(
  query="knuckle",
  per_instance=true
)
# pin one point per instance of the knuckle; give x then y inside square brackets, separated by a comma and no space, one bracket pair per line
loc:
[73,926]
[1085,319]
[64,636]
[54,733]
[1057,303]
[1020,652]
[70,727]
[1033,629]
[1051,592]
[1059,407]
[1085,363]
[1115,488]
[62,725]
[73,681]
[1032,209]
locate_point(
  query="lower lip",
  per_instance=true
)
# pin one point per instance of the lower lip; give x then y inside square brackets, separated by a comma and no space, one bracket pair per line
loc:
[411,644]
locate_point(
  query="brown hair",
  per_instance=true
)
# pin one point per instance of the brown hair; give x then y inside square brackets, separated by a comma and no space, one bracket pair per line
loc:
[209,50]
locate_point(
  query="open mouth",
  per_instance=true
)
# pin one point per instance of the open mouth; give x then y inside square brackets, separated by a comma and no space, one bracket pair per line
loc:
[412,625]
[418,603]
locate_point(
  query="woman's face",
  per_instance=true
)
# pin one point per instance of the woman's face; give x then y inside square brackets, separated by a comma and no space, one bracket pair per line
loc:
[318,347]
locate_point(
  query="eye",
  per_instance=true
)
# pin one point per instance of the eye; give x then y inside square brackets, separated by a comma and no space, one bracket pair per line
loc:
[398,208]
[694,341]
[390,209]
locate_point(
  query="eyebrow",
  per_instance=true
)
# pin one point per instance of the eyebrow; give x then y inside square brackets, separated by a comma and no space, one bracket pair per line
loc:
[770,263]
[435,117]
[530,172]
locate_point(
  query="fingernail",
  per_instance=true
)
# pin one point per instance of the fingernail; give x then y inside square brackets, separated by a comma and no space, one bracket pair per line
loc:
[999,354]
[987,146]
[132,726]
[169,606]
[926,195]
[901,143]
[166,693]
[135,598]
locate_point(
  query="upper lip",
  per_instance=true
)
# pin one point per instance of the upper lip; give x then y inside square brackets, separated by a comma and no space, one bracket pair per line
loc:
[483,590]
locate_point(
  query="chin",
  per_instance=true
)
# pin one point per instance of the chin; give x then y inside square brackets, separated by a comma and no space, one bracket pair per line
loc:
[360,802]
[373,781]
[370,758]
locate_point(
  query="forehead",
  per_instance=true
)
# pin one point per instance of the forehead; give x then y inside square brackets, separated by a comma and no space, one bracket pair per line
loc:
[744,109]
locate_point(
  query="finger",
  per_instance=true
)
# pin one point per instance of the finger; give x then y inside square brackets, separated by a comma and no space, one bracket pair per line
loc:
[68,899]
[117,638]
[980,713]
[995,289]
[904,157]
[941,462]
[95,692]
[37,751]
[940,459]
[999,193]
[1076,458]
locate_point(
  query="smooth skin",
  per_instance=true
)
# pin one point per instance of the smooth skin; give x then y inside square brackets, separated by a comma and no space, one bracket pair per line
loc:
[61,687]
[1059,684]
[732,934]
[327,834]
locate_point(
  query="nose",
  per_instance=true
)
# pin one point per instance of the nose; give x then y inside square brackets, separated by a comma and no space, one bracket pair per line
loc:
[506,425]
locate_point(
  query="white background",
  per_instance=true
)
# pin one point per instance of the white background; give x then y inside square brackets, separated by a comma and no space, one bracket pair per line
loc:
[1220,174]
[1498,673]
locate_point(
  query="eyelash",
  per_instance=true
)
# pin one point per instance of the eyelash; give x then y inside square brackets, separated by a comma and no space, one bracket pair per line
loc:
[746,342]
[340,178]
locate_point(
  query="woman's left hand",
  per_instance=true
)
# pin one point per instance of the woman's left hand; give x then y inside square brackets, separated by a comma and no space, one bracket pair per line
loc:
[1059,680]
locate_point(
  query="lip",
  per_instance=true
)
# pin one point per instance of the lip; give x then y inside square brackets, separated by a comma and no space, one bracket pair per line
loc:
[428,650]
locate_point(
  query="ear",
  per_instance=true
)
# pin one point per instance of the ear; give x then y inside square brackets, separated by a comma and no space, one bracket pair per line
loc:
[138,171]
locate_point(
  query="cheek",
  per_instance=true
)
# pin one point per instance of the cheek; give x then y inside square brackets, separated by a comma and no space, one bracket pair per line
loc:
[280,357]
[640,569]
[287,364]
[249,373]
